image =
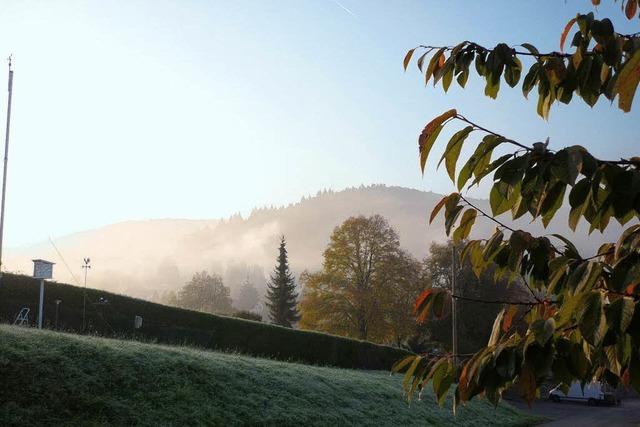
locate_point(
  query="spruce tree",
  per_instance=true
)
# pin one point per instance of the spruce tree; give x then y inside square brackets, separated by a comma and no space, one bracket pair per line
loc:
[281,292]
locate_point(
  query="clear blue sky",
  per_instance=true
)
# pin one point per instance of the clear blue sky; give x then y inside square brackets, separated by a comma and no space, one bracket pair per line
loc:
[199,109]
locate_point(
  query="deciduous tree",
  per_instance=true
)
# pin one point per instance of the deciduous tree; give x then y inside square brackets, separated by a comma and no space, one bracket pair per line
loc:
[205,292]
[584,322]
[366,286]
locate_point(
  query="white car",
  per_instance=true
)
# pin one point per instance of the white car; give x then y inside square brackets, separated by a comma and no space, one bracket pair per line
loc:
[594,393]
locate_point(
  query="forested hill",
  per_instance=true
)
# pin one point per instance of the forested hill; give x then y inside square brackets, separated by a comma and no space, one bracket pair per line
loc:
[143,258]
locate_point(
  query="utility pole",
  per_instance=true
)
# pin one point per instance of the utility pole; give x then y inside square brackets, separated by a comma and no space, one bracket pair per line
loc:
[6,159]
[86,268]
[454,326]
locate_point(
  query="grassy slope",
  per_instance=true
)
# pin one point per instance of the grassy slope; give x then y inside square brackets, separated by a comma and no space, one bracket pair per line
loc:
[56,378]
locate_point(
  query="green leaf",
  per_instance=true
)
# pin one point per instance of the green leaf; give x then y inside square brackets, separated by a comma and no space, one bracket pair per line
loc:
[619,314]
[592,321]
[409,373]
[443,377]
[530,79]
[447,78]
[452,151]
[463,77]
[493,166]
[531,48]
[499,204]
[466,223]
[492,246]
[578,199]
[426,145]
[543,330]
[570,250]
[451,217]
[512,72]
[552,202]
[626,272]
[397,367]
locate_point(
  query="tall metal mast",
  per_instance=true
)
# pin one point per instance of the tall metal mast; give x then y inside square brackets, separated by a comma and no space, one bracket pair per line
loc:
[6,158]
[454,325]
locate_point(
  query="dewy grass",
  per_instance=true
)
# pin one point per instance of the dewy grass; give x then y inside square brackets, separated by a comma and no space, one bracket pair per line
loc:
[49,378]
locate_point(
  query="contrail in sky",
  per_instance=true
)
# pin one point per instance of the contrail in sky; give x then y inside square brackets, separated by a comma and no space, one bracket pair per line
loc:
[346,9]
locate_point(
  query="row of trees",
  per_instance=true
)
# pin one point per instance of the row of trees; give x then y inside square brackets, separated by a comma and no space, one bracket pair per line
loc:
[207,293]
[368,285]
[366,289]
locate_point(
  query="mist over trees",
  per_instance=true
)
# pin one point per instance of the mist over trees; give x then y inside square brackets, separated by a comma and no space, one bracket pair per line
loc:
[205,292]
[248,296]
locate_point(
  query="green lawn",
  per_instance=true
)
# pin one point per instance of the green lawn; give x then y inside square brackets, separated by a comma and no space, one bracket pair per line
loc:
[62,379]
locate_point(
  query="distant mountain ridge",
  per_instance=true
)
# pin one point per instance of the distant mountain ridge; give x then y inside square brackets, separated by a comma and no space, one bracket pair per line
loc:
[144,258]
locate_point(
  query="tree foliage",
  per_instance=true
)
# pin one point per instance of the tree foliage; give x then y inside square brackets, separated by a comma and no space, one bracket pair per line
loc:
[366,287]
[476,299]
[603,62]
[247,297]
[583,323]
[281,291]
[205,292]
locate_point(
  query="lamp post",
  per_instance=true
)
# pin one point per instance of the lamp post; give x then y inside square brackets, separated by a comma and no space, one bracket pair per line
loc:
[86,268]
[6,160]
[42,270]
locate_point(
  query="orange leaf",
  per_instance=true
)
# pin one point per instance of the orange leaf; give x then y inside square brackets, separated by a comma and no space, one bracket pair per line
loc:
[626,378]
[429,134]
[565,32]
[508,318]
[421,299]
[629,290]
[631,9]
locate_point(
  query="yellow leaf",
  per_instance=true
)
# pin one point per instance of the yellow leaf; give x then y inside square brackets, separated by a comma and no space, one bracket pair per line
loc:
[407,58]
[627,82]
[495,331]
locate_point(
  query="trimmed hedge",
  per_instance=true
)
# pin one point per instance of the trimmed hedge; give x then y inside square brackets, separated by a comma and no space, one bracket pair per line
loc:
[172,325]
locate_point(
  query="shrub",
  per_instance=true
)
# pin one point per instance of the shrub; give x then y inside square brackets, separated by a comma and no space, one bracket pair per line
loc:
[171,325]
[248,315]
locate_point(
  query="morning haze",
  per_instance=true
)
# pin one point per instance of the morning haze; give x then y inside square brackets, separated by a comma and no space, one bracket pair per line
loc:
[320,212]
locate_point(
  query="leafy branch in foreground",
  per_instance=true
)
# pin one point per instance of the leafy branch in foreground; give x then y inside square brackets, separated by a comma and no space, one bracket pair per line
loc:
[583,322]
[604,63]
[582,304]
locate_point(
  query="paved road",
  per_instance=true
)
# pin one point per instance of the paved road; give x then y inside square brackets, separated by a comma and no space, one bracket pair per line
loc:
[581,415]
